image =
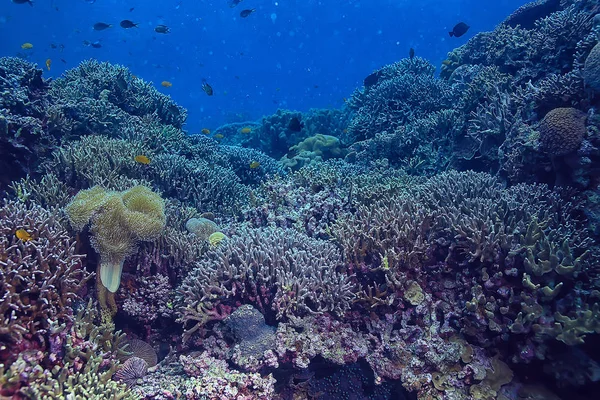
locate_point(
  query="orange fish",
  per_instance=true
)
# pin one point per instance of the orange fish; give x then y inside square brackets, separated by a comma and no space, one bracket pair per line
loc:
[219,136]
[206,131]
[142,159]
[166,84]
[27,46]
[48,64]
[246,129]
[23,235]
[254,164]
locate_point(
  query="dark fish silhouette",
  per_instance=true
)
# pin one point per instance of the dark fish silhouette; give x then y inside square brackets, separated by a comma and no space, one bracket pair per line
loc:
[411,53]
[162,29]
[23,2]
[233,3]
[245,13]
[100,26]
[372,79]
[128,24]
[96,44]
[207,88]
[295,125]
[460,29]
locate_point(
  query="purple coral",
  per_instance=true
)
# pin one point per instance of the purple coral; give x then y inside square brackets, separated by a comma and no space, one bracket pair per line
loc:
[279,271]
[40,276]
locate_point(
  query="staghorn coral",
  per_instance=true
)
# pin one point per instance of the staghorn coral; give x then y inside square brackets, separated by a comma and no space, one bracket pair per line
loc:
[281,272]
[239,160]
[198,183]
[406,91]
[98,160]
[115,85]
[80,364]
[521,242]
[24,138]
[118,221]
[39,278]
[562,130]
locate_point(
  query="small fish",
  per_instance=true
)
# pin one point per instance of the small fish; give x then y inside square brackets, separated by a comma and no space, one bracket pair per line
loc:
[131,9]
[63,60]
[254,164]
[447,62]
[460,29]
[246,129]
[30,2]
[100,26]
[23,235]
[48,64]
[411,53]
[96,44]
[162,29]
[207,88]
[219,136]
[295,125]
[27,46]
[142,159]
[233,3]
[205,131]
[166,84]
[245,13]
[128,24]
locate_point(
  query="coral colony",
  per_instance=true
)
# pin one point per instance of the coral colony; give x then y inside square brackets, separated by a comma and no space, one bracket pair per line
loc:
[437,238]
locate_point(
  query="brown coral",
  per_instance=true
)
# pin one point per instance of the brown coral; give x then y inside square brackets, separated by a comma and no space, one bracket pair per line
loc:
[562,130]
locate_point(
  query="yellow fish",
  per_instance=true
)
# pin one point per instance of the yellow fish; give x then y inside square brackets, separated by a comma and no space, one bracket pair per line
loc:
[142,159]
[27,46]
[48,64]
[219,136]
[254,164]
[166,84]
[216,238]
[23,235]
[246,129]
[206,131]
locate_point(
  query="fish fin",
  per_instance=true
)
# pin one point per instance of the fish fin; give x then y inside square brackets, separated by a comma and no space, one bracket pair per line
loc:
[451,34]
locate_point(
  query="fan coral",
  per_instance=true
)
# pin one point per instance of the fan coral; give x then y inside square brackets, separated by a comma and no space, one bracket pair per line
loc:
[562,130]
[118,220]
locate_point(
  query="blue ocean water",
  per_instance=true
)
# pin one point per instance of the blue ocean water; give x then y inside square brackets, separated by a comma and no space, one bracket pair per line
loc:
[287,54]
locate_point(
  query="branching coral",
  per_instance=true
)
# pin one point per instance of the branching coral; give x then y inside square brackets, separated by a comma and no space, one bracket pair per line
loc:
[279,271]
[40,277]
[116,84]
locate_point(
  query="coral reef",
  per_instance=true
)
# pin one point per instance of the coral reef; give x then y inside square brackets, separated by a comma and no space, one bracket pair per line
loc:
[24,137]
[40,276]
[278,271]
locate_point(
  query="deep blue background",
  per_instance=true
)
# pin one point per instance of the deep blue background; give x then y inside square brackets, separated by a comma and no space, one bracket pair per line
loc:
[288,54]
